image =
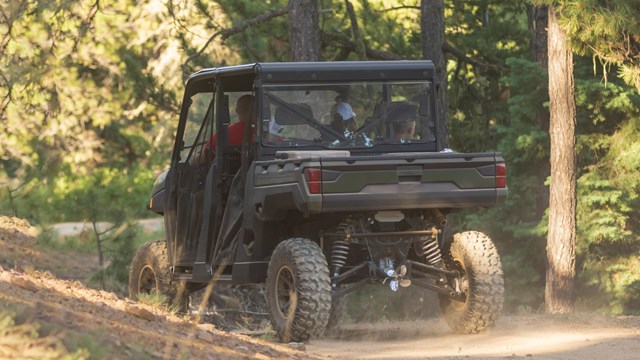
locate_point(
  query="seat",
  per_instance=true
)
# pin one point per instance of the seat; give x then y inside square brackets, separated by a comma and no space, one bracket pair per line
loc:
[395,111]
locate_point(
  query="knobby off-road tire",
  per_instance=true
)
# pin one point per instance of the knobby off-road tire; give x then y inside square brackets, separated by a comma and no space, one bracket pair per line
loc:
[150,272]
[338,304]
[298,290]
[474,255]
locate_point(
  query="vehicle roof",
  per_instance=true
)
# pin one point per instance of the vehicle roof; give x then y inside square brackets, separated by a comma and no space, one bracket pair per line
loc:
[296,72]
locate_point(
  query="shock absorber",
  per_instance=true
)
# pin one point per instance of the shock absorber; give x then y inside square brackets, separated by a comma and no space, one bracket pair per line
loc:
[339,254]
[431,250]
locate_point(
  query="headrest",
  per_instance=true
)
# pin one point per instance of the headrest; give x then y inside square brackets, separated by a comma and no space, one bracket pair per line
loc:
[294,114]
[400,111]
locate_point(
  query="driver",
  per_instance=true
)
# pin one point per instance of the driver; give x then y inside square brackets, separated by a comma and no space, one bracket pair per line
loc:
[235,132]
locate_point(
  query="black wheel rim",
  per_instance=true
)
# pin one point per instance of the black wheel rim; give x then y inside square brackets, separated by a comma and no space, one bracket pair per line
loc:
[285,292]
[147,280]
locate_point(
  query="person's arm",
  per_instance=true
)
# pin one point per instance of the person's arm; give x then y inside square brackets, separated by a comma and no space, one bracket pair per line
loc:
[207,153]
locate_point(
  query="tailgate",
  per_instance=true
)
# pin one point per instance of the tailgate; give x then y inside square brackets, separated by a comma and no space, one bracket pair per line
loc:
[412,181]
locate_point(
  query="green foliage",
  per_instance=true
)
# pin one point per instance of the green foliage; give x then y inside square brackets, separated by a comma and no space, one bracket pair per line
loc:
[488,34]
[252,45]
[517,227]
[119,247]
[102,194]
[154,299]
[50,239]
[159,301]
[612,285]
[608,192]
[607,31]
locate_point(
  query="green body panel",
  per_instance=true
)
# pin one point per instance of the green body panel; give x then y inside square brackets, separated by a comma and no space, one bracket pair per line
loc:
[280,185]
[390,182]
[350,182]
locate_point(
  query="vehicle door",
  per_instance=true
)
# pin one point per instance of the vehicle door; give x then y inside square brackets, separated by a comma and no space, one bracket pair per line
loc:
[186,178]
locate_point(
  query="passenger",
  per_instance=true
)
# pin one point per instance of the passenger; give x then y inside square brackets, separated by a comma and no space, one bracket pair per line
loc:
[404,130]
[343,117]
[275,131]
[403,121]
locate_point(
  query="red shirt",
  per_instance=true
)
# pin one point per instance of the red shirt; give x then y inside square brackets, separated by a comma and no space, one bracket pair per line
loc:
[235,134]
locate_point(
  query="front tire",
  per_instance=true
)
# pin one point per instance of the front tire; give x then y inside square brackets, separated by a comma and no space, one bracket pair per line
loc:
[298,290]
[481,281]
[150,272]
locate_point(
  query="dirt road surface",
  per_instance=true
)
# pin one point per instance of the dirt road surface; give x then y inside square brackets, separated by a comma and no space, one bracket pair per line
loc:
[43,288]
[582,336]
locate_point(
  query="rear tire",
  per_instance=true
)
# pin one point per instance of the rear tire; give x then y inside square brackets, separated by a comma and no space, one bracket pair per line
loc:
[150,272]
[474,255]
[338,305]
[298,290]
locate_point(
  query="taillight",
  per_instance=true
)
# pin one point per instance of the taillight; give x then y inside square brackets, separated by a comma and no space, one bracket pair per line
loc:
[313,177]
[501,175]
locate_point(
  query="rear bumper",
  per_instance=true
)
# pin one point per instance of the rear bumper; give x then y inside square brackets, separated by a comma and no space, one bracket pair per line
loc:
[412,196]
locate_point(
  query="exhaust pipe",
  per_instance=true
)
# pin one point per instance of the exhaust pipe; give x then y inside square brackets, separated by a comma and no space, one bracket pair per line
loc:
[440,219]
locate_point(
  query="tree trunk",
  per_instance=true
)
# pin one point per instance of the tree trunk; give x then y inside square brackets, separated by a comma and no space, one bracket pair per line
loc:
[432,27]
[304,30]
[561,252]
[100,252]
[538,23]
[357,38]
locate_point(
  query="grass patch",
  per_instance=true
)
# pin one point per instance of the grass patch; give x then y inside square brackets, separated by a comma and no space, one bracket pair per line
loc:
[158,301]
[269,334]
[154,299]
[25,340]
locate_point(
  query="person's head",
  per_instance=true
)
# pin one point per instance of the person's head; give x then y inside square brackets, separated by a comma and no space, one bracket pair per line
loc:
[245,108]
[343,117]
[404,129]
[403,118]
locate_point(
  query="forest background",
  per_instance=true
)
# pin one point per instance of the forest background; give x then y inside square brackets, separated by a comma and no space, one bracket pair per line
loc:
[90,94]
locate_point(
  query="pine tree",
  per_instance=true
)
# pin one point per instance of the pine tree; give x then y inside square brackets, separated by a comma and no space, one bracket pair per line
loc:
[304,30]
[432,25]
[561,272]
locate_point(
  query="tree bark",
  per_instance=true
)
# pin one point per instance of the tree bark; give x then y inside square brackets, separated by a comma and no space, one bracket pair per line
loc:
[561,253]
[357,38]
[304,30]
[538,24]
[432,27]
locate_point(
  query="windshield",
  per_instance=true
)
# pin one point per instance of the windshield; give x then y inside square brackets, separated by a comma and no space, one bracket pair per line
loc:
[347,115]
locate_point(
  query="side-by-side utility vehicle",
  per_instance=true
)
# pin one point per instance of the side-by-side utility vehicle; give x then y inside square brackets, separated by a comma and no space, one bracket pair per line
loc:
[341,179]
